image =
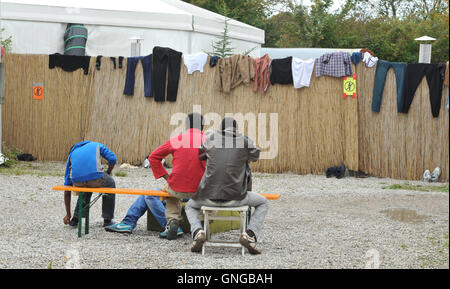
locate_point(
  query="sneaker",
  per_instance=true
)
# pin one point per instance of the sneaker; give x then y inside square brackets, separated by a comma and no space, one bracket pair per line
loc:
[172,230]
[199,240]
[249,243]
[426,176]
[435,174]
[119,228]
[73,222]
[164,234]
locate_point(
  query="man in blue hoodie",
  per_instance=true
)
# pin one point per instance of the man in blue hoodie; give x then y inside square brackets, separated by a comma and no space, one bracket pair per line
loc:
[84,169]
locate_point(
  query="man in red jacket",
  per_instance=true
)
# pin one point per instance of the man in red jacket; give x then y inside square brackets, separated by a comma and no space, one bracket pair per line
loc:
[187,169]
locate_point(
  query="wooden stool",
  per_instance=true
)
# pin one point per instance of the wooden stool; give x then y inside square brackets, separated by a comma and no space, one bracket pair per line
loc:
[208,216]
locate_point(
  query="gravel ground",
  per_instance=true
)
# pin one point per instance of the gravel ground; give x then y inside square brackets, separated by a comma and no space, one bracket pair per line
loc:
[317,223]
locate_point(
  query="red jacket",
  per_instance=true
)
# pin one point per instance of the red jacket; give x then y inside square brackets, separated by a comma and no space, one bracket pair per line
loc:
[187,168]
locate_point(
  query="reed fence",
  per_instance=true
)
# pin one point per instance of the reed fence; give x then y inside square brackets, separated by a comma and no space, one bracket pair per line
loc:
[317,127]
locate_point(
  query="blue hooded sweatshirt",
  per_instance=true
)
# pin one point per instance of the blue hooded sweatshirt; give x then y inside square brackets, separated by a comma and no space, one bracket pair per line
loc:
[83,163]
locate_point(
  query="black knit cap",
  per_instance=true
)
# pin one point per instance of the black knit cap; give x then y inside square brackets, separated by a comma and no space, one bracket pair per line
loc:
[195,120]
[228,122]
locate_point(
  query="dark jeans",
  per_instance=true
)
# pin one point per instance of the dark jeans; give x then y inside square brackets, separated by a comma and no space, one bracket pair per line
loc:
[380,79]
[413,77]
[166,60]
[108,200]
[131,69]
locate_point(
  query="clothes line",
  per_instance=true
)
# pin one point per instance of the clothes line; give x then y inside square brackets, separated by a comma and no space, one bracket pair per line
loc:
[263,71]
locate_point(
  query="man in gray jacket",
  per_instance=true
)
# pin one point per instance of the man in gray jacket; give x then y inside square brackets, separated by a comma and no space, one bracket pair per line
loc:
[227,183]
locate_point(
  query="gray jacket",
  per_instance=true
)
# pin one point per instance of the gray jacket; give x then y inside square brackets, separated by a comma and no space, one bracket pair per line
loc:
[227,173]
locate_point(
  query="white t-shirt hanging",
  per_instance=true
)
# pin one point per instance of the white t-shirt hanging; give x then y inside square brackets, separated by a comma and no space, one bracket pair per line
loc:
[369,60]
[302,71]
[195,61]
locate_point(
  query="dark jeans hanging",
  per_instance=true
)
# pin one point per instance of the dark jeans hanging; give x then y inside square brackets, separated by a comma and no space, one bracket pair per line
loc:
[131,69]
[380,79]
[414,75]
[69,62]
[166,60]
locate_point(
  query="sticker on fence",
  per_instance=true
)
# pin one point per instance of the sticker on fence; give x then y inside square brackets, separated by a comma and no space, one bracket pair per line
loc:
[350,86]
[38,90]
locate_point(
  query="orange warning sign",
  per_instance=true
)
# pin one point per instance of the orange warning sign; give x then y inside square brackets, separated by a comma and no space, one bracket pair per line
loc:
[38,92]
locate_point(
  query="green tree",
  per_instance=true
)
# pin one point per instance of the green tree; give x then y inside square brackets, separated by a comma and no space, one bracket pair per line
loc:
[6,43]
[390,27]
[302,28]
[222,47]
[252,12]
[387,27]
[318,23]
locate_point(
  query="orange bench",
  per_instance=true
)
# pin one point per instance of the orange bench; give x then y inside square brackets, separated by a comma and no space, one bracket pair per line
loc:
[120,191]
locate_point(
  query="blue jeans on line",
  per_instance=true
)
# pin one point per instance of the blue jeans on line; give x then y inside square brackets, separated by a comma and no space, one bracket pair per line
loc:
[130,77]
[380,79]
[139,207]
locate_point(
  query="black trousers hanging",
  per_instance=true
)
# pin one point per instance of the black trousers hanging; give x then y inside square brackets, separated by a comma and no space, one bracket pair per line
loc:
[165,60]
[414,75]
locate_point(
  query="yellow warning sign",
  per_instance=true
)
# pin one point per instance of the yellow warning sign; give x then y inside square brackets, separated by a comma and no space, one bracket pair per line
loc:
[350,86]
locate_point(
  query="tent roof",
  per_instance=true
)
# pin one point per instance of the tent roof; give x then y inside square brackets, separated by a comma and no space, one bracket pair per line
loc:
[129,5]
[158,14]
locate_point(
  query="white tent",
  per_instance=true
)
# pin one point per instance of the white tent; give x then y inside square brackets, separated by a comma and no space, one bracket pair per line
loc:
[38,26]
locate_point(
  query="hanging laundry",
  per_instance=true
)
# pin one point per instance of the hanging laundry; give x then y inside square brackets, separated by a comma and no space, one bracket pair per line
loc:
[366,50]
[98,62]
[301,72]
[234,70]
[369,60]
[356,57]
[337,64]
[380,79]
[75,38]
[113,59]
[213,60]
[262,73]
[413,77]
[166,61]
[194,62]
[130,76]
[69,62]
[281,71]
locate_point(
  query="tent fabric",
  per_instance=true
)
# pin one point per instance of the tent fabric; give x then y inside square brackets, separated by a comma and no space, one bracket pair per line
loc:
[34,24]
